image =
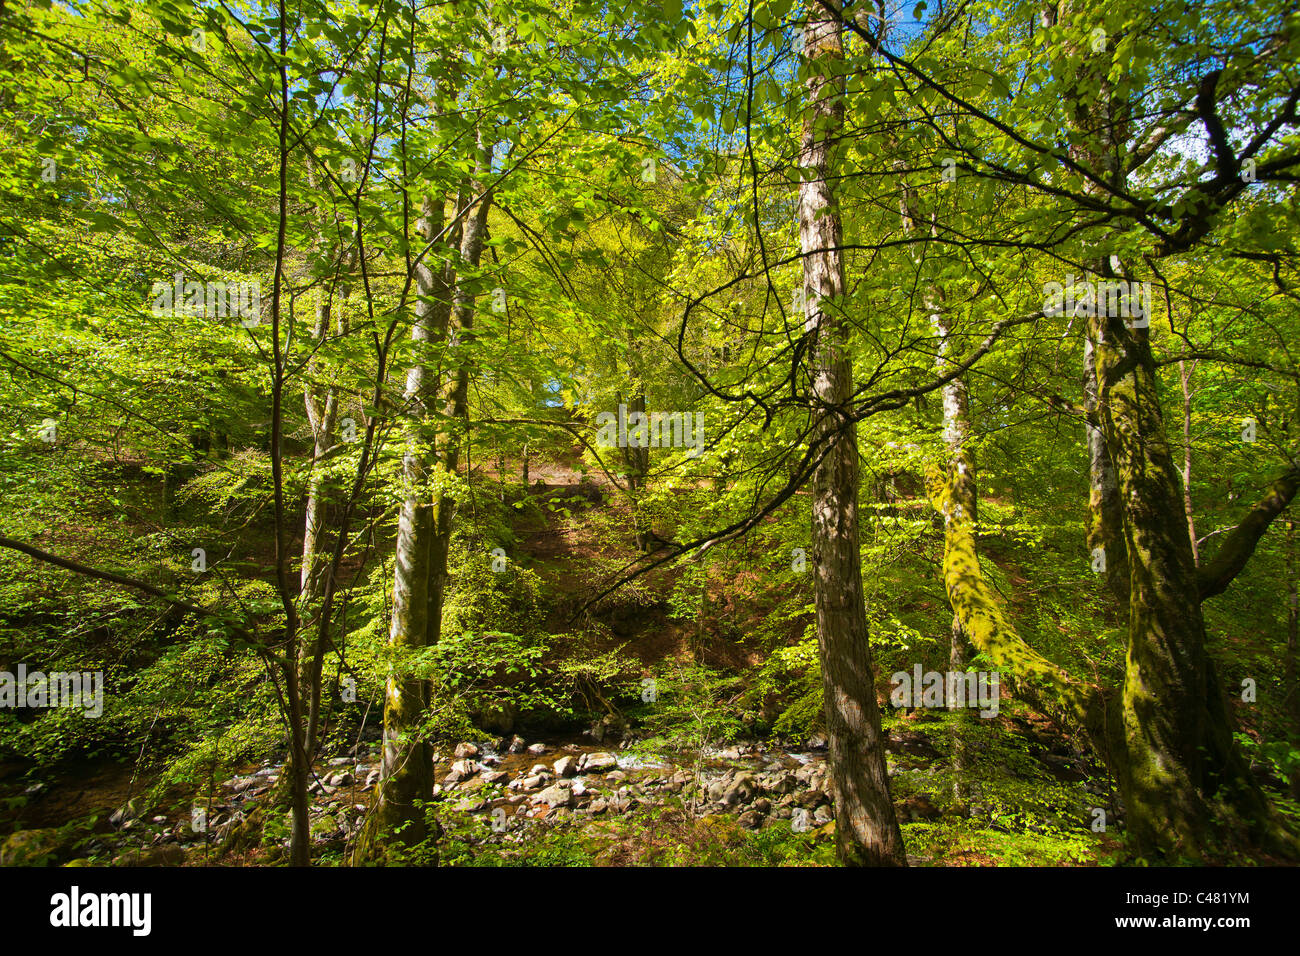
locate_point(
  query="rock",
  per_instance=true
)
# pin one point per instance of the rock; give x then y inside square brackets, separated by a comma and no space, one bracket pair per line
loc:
[730,753]
[566,767]
[599,805]
[557,795]
[598,762]
[917,807]
[763,805]
[129,811]
[539,768]
[168,854]
[338,762]
[531,782]
[823,815]
[341,780]
[372,778]
[496,776]
[817,742]
[537,748]
[811,799]
[516,745]
[462,770]
[751,820]
[324,827]
[31,847]
[466,749]
[782,783]
[742,789]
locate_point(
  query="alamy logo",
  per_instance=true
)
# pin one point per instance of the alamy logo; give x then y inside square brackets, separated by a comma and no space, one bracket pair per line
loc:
[941,688]
[652,430]
[1129,300]
[213,300]
[73,909]
[57,689]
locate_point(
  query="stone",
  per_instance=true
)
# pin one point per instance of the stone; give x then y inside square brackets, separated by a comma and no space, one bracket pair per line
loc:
[126,813]
[917,807]
[537,749]
[566,766]
[598,762]
[556,795]
[823,815]
[496,776]
[31,847]
[466,749]
[464,769]
[742,789]
[751,820]
[811,799]
[516,745]
[169,854]
[341,780]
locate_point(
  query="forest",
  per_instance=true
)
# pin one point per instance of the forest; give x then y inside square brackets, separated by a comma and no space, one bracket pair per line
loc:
[656,433]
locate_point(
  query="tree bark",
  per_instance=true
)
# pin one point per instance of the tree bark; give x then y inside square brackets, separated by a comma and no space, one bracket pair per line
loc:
[866,827]
[406,771]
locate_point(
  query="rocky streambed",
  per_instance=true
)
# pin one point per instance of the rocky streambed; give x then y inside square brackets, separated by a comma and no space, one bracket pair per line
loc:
[513,785]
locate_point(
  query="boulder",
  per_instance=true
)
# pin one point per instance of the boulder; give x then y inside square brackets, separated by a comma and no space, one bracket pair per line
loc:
[31,847]
[466,749]
[130,810]
[169,854]
[556,795]
[598,762]
[741,790]
[566,766]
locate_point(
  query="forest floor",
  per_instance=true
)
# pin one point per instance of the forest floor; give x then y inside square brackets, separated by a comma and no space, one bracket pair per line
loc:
[1023,794]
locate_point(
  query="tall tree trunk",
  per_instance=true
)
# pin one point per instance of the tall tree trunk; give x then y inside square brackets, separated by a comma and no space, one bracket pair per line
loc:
[962,494]
[1291,686]
[1179,768]
[1185,372]
[1105,517]
[866,827]
[1182,768]
[455,400]
[406,772]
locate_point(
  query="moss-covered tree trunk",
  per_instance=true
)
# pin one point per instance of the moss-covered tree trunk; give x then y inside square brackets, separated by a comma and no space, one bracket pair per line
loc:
[1182,775]
[1105,537]
[963,499]
[866,828]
